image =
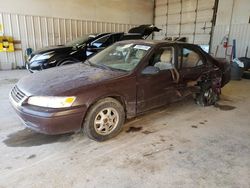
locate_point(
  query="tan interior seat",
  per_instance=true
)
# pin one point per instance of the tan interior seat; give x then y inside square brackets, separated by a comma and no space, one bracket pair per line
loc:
[166,56]
[192,60]
[166,64]
[165,60]
[138,56]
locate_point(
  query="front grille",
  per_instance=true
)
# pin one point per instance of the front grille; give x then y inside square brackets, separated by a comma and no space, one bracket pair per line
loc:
[17,94]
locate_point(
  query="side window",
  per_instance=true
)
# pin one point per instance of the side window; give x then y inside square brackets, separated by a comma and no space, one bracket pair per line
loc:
[100,42]
[190,58]
[116,38]
[163,58]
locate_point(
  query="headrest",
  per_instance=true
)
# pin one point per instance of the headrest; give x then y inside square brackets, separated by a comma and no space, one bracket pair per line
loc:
[193,57]
[166,56]
[139,54]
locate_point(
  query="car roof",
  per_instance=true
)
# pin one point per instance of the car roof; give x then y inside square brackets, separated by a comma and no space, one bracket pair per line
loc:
[94,35]
[156,42]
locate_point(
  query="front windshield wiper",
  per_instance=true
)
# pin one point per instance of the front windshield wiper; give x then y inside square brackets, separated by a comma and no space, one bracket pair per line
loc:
[97,65]
[87,62]
[103,66]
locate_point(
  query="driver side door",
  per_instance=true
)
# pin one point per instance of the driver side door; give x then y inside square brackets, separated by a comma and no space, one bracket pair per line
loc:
[155,90]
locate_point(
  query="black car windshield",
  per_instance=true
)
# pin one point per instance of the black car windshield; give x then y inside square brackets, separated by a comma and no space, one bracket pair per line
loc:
[124,57]
[78,41]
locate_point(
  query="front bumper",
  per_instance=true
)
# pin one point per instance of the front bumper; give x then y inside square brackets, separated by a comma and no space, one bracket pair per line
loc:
[56,121]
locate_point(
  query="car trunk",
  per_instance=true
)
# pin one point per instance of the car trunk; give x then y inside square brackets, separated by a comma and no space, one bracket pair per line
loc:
[144,30]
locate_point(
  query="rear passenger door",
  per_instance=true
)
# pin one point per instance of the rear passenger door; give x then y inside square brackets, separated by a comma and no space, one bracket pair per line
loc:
[191,64]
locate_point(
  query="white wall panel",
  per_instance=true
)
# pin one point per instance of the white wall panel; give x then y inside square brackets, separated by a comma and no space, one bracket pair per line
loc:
[187,28]
[189,5]
[185,18]
[188,17]
[232,21]
[173,30]
[37,32]
[239,32]
[205,4]
[161,10]
[174,7]
[115,11]
[161,2]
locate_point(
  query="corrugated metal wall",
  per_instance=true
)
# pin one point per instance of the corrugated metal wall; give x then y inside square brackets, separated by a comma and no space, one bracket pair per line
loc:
[185,18]
[239,32]
[37,32]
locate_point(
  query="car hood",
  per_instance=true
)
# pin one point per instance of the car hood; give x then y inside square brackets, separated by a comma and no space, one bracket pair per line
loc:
[53,48]
[61,81]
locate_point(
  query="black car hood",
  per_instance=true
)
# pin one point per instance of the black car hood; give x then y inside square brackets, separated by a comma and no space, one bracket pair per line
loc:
[61,48]
[61,80]
[64,48]
[144,30]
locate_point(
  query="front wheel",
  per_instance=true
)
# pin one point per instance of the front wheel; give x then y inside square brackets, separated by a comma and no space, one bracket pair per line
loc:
[104,120]
[67,62]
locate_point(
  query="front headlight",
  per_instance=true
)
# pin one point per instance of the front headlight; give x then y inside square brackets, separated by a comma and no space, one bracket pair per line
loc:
[51,102]
[44,56]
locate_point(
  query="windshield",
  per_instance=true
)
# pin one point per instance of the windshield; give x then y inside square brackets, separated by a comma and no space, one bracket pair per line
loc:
[78,41]
[124,57]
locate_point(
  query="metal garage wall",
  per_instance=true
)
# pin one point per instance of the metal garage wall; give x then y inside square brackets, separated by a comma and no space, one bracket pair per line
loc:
[185,18]
[36,32]
[232,22]
[239,32]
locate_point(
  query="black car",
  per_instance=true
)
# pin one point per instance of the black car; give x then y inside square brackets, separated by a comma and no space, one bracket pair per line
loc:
[83,48]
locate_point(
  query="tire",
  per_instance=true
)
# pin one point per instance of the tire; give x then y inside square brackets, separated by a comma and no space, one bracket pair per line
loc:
[66,62]
[246,62]
[246,75]
[207,96]
[104,120]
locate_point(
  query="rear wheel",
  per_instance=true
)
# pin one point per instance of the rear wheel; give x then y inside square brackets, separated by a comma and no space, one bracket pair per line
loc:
[104,120]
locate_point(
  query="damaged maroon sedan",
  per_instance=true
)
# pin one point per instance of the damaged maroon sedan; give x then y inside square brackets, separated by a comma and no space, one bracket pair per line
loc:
[121,82]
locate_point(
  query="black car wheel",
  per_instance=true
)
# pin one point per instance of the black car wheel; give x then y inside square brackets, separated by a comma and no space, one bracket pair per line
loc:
[246,75]
[67,62]
[104,120]
[207,96]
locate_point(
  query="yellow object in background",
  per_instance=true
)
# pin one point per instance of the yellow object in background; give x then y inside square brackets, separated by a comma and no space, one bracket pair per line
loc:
[6,44]
[1,28]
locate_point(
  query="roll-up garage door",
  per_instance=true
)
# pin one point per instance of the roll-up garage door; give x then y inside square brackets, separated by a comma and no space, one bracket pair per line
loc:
[192,19]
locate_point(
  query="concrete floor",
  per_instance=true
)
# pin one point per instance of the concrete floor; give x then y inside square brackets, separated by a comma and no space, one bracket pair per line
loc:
[182,145]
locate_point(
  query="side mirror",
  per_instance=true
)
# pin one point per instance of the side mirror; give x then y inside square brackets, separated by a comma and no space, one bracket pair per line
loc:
[150,70]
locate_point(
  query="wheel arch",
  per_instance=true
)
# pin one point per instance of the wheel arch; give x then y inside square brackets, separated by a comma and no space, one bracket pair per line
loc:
[59,63]
[121,99]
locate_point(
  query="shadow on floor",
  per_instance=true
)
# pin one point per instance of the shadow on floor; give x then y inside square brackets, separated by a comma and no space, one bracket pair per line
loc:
[28,138]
